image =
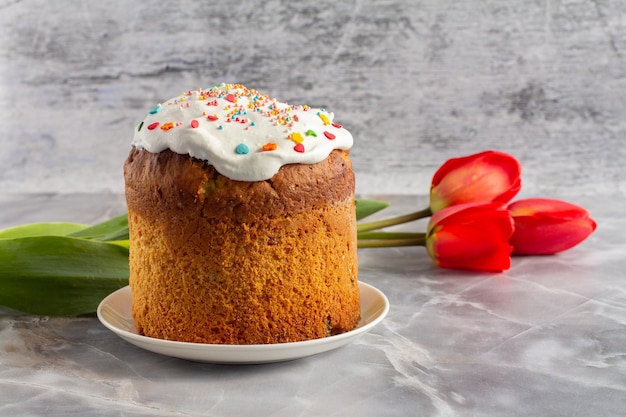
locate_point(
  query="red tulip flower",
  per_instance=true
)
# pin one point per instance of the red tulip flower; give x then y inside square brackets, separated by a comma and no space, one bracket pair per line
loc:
[488,176]
[471,236]
[545,226]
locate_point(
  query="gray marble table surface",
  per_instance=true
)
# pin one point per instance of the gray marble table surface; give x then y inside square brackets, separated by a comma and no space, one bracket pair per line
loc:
[416,82]
[545,338]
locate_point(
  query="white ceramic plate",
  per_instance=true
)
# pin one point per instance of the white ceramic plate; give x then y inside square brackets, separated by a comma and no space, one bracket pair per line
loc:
[114,312]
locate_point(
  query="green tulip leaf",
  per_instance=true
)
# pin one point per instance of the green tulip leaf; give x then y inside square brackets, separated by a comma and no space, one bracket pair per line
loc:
[366,208]
[109,230]
[59,275]
[41,229]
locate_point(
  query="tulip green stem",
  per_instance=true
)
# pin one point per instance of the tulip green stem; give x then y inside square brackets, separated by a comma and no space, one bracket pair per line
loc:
[389,235]
[366,227]
[383,239]
[383,243]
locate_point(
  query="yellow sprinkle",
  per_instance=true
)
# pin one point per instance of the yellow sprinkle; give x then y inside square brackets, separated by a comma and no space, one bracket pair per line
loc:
[296,137]
[324,118]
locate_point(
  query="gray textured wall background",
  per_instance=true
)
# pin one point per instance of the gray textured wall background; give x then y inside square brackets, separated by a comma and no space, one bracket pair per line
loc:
[416,82]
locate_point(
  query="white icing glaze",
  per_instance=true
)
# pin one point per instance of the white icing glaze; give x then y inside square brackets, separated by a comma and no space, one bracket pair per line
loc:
[221,123]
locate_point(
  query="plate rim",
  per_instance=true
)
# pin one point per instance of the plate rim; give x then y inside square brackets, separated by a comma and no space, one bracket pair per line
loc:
[312,346]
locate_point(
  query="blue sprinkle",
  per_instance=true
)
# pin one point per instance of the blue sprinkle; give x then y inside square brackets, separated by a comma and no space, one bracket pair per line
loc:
[252,124]
[242,149]
[156,109]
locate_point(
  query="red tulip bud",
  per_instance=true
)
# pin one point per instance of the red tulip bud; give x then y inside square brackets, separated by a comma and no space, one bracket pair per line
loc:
[545,226]
[484,177]
[471,236]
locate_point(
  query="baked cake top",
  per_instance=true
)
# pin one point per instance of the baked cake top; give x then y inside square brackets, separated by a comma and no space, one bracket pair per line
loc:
[245,135]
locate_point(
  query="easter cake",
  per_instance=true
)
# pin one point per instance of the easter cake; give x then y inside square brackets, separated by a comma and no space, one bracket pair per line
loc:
[242,220]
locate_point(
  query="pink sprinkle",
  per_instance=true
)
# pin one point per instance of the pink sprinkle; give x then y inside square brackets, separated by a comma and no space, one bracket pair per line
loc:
[212,117]
[153,126]
[295,117]
[299,148]
[231,97]
[329,135]
[195,123]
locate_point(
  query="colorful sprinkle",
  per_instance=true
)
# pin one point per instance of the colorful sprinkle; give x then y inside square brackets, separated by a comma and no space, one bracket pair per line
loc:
[296,137]
[324,118]
[195,123]
[269,147]
[212,117]
[299,148]
[242,149]
[337,125]
[311,133]
[231,97]
[167,126]
[139,127]
[153,126]
[329,135]
[156,109]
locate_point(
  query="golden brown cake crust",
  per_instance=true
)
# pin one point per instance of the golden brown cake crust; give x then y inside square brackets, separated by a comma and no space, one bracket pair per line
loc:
[180,181]
[220,261]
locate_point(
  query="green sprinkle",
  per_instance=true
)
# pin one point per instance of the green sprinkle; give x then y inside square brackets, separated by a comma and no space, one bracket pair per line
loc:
[139,127]
[311,133]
